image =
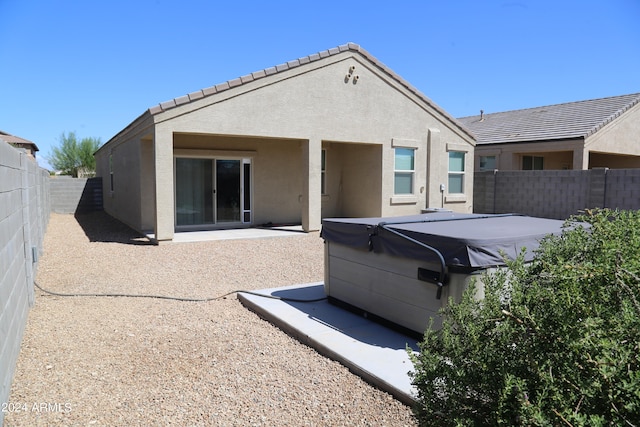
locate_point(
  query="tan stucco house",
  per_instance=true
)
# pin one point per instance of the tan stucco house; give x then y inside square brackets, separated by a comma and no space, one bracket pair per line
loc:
[20,143]
[333,134]
[577,135]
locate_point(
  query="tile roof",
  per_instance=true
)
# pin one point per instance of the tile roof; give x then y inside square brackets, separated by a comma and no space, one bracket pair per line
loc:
[167,105]
[12,139]
[561,121]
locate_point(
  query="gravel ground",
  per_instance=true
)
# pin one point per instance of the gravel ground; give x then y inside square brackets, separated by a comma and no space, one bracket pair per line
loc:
[137,361]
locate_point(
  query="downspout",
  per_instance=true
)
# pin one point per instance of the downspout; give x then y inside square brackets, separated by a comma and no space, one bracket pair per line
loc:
[495,186]
[604,192]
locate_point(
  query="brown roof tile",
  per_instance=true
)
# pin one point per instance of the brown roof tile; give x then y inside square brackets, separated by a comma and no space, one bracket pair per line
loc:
[235,82]
[560,121]
[182,100]
[222,86]
[155,109]
[196,95]
[247,78]
[168,104]
[209,91]
[259,74]
[12,139]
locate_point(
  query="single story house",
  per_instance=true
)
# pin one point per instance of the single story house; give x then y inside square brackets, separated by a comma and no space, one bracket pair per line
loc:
[333,134]
[577,135]
[23,144]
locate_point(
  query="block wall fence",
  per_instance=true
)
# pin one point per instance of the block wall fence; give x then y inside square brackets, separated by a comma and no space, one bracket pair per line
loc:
[556,194]
[75,195]
[24,215]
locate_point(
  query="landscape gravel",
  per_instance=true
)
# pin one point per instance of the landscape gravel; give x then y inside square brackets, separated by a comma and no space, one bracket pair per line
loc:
[107,361]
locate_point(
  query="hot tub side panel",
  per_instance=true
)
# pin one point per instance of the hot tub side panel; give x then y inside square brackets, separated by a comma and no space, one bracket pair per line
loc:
[387,286]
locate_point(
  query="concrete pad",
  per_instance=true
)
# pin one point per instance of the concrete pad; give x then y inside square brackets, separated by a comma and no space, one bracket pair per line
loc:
[234,233]
[370,350]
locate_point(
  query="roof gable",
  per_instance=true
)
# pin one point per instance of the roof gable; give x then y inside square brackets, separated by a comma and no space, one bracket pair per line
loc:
[267,72]
[579,119]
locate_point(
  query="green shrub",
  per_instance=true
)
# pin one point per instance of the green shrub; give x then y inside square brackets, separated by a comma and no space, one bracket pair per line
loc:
[73,156]
[554,342]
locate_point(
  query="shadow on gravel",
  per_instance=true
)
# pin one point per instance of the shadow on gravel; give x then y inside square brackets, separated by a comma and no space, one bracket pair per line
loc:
[101,227]
[357,324]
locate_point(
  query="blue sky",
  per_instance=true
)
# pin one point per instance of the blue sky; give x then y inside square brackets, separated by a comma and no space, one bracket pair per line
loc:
[94,67]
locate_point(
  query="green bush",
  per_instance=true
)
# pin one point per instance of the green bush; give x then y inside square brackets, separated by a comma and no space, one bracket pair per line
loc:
[555,342]
[73,156]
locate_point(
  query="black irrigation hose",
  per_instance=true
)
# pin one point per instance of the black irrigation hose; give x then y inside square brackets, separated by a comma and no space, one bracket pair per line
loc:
[58,294]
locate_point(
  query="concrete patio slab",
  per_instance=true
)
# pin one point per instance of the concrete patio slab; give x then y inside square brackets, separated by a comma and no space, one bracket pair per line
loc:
[234,233]
[370,350]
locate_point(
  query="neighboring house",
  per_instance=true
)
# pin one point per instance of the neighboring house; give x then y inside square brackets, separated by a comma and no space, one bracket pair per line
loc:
[29,147]
[335,133]
[577,135]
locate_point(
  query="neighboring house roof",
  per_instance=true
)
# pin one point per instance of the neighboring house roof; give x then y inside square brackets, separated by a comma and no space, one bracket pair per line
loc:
[164,106]
[552,122]
[12,139]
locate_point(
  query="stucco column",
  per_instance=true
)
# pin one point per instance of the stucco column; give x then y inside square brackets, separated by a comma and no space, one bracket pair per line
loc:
[580,159]
[311,187]
[435,170]
[163,162]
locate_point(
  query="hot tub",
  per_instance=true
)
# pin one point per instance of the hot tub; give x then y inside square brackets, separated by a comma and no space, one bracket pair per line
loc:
[404,269]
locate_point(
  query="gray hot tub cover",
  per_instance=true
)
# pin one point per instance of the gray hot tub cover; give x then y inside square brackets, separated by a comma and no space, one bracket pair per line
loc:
[470,241]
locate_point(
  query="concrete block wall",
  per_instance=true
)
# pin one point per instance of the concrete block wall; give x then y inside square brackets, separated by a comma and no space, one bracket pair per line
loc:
[622,188]
[24,215]
[597,184]
[75,195]
[484,186]
[556,194]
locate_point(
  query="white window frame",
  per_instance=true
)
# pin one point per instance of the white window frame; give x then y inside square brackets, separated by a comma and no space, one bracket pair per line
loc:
[457,197]
[409,198]
[404,172]
[246,191]
[451,173]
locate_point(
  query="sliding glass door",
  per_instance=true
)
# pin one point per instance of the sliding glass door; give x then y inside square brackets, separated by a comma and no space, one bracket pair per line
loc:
[227,192]
[194,192]
[211,191]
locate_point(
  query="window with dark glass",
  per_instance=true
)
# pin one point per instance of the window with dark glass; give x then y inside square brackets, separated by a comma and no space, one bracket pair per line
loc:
[456,172]
[532,163]
[404,170]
